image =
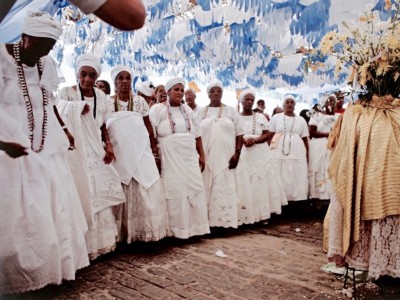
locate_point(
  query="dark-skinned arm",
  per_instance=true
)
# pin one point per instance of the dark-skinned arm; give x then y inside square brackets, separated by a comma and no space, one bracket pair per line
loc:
[233,162]
[317,134]
[67,133]
[109,156]
[200,151]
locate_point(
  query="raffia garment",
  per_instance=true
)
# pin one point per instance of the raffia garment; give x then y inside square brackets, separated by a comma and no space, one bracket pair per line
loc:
[365,166]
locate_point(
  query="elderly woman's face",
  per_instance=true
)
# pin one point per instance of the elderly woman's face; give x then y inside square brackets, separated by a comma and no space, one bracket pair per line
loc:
[161,94]
[190,97]
[123,82]
[87,77]
[175,94]
[248,102]
[288,105]
[215,93]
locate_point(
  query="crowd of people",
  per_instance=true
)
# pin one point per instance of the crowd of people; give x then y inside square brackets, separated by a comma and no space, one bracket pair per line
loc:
[86,170]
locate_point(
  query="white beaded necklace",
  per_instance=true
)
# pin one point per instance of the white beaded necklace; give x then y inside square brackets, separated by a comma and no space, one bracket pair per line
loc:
[184,113]
[284,136]
[28,103]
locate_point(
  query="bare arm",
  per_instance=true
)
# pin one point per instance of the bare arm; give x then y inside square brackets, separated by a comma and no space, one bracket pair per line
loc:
[200,151]
[317,134]
[233,162]
[123,14]
[109,156]
[305,141]
[67,133]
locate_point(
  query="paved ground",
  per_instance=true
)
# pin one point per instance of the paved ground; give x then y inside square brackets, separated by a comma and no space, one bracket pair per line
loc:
[264,261]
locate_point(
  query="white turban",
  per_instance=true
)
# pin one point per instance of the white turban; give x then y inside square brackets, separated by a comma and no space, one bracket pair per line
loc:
[173,81]
[214,84]
[88,60]
[118,69]
[144,88]
[41,24]
[245,92]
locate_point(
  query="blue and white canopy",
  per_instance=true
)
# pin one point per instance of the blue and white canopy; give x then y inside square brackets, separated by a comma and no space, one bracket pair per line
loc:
[258,43]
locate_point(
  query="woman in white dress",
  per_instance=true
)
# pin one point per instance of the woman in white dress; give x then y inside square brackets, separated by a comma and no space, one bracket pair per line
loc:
[42,224]
[144,215]
[289,149]
[227,187]
[85,110]
[267,190]
[321,124]
[182,159]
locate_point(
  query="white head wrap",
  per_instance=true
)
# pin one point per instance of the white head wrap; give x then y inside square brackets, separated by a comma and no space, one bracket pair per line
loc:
[41,24]
[288,96]
[173,81]
[214,84]
[118,69]
[245,92]
[88,60]
[144,88]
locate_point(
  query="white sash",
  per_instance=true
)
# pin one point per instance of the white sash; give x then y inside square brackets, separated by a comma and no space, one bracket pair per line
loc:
[180,166]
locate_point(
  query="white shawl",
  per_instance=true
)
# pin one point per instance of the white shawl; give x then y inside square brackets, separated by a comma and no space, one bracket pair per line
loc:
[180,166]
[131,142]
[98,184]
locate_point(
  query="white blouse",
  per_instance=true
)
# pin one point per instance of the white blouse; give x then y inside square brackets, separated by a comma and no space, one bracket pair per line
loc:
[178,120]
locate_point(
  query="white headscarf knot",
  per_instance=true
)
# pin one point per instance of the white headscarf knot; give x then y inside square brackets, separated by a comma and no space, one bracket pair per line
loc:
[245,92]
[173,81]
[88,60]
[41,24]
[118,69]
[214,84]
[144,88]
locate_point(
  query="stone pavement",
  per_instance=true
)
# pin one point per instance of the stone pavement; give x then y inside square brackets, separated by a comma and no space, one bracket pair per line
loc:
[278,260]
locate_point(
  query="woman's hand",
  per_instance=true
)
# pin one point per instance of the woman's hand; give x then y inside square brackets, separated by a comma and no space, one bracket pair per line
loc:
[109,157]
[249,142]
[202,163]
[157,158]
[13,150]
[233,162]
[71,140]
[86,109]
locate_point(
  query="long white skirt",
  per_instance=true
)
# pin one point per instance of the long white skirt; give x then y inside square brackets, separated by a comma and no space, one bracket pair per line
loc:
[144,216]
[318,177]
[266,187]
[42,224]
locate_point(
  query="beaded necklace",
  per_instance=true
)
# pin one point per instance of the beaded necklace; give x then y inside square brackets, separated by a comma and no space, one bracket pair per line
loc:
[130,103]
[254,123]
[221,108]
[284,136]
[184,113]
[28,102]
[95,100]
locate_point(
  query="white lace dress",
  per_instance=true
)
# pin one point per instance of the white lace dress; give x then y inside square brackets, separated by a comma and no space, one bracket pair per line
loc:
[228,191]
[318,179]
[42,225]
[98,184]
[289,154]
[144,215]
[181,175]
[267,190]
[377,251]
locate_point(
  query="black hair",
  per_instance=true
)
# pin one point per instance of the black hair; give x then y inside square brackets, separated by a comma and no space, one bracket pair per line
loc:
[108,87]
[304,114]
